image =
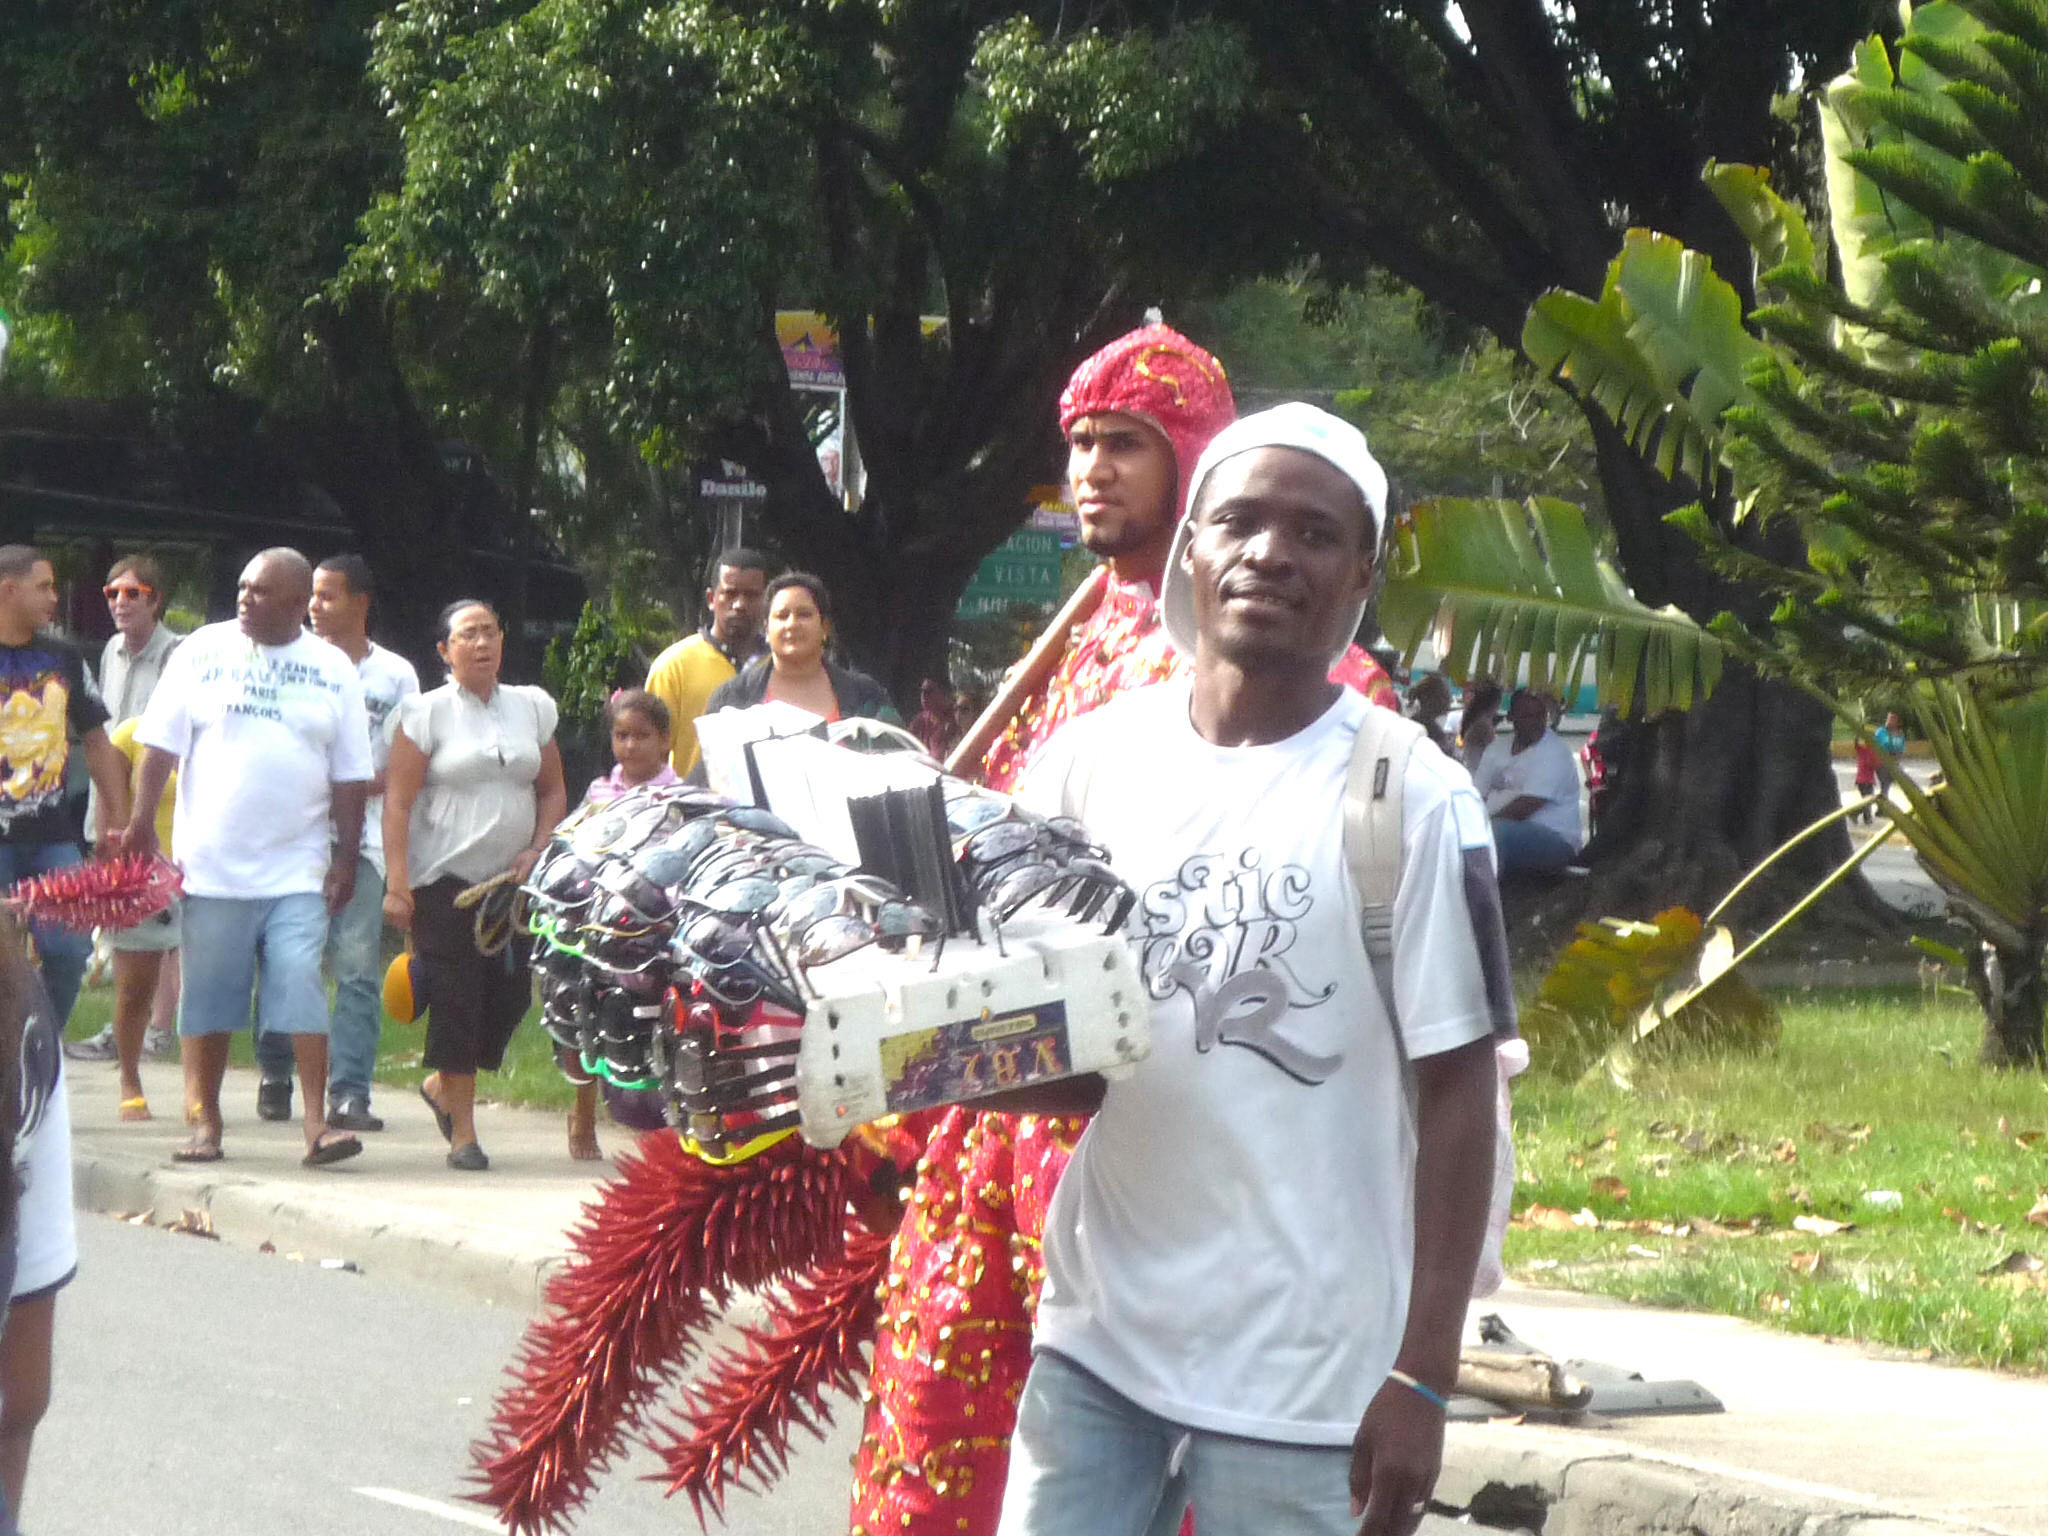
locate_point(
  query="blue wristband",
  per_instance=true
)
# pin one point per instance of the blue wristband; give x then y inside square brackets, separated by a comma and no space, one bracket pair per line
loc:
[1429,1394]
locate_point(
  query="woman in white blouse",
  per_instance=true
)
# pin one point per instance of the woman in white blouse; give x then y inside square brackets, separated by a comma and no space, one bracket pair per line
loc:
[473,789]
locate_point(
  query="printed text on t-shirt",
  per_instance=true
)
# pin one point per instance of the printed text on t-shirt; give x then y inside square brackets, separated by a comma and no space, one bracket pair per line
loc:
[1221,929]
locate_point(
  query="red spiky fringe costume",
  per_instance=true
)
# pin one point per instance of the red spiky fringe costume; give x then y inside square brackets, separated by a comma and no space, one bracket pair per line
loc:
[103,893]
[949,1303]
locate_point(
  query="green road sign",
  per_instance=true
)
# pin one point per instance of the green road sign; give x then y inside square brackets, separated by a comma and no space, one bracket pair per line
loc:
[1025,568]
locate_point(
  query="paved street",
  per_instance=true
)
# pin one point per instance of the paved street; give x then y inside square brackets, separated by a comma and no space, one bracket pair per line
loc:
[205,1388]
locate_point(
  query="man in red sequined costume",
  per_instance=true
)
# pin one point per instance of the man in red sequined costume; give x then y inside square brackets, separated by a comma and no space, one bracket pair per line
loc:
[954,1342]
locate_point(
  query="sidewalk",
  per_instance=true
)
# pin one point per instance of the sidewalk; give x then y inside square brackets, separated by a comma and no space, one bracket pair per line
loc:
[1819,1439]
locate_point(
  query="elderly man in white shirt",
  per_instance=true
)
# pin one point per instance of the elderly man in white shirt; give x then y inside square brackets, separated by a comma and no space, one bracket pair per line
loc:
[1530,782]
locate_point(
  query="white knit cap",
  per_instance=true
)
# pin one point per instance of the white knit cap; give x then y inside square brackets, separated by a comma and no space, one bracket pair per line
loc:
[1296,424]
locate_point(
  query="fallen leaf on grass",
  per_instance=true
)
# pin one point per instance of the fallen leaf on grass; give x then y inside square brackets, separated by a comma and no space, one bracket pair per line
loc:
[1611,1187]
[194,1224]
[2018,1271]
[1637,1251]
[2026,1138]
[1984,1181]
[2018,1262]
[1808,1264]
[1749,1228]
[2038,1216]
[1772,1302]
[1841,1135]
[1573,1160]
[1785,1150]
[1968,1224]
[1548,1218]
[1821,1226]
[1609,1140]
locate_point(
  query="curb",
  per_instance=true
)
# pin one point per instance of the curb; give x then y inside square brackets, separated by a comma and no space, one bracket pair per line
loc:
[1525,1478]
[492,1264]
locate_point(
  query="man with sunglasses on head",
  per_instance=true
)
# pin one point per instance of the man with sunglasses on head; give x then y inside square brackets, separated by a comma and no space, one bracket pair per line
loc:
[1258,1261]
[130,665]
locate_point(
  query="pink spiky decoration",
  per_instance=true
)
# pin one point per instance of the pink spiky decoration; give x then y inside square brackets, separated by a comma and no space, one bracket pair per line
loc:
[106,893]
[656,1256]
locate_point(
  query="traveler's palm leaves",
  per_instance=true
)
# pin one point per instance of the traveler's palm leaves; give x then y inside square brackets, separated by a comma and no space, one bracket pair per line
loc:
[1504,583]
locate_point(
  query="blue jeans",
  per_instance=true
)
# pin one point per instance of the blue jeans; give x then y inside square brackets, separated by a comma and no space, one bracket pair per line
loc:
[224,940]
[63,953]
[355,959]
[1524,845]
[1087,1461]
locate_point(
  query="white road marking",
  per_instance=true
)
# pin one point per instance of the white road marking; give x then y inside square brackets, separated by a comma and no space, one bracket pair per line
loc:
[454,1514]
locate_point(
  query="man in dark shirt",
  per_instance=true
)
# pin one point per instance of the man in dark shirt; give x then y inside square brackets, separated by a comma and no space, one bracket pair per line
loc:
[46,697]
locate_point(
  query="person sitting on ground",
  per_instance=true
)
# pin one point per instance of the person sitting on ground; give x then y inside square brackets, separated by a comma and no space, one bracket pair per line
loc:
[473,791]
[1530,783]
[640,753]
[130,665]
[38,1228]
[685,675]
[796,669]
[1477,724]
[264,725]
[1429,703]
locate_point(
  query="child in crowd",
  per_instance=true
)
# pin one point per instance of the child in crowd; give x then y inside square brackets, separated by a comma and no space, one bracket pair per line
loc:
[139,951]
[640,744]
[1866,778]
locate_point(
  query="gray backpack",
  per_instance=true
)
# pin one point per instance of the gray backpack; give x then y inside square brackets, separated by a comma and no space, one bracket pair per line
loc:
[1372,852]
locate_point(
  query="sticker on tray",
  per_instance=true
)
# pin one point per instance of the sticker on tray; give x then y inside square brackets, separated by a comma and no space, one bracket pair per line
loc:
[971,1058]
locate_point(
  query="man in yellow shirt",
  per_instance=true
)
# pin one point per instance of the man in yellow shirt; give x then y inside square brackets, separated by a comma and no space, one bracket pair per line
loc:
[686,674]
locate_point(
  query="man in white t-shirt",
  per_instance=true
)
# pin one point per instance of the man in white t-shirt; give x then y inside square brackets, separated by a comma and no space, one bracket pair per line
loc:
[340,614]
[265,727]
[1258,1261]
[1530,782]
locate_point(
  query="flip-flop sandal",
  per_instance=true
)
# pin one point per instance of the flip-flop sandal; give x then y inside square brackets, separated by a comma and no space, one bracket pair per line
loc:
[443,1121]
[331,1147]
[200,1149]
[135,1109]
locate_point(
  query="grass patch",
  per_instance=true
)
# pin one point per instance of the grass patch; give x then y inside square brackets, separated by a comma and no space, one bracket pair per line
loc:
[1699,1175]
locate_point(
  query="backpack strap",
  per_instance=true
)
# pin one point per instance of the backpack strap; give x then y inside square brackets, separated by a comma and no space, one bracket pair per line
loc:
[1372,834]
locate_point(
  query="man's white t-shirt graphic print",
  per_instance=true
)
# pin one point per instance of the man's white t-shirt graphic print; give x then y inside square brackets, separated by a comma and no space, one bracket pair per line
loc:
[1232,1244]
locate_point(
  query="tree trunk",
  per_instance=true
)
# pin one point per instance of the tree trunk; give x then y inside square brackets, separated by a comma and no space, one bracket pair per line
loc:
[2012,988]
[1708,793]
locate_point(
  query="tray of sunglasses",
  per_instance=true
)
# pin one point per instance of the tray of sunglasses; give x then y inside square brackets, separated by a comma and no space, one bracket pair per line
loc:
[887,1033]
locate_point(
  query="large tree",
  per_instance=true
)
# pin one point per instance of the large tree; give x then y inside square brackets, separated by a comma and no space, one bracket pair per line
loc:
[1489,150]
[186,179]
[652,183]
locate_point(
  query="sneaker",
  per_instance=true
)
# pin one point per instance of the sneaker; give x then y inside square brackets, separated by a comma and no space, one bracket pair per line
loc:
[351,1112]
[274,1101]
[99,1047]
[159,1044]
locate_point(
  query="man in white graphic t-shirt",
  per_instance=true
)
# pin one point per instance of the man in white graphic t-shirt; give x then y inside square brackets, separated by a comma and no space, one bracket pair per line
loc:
[266,729]
[1258,1262]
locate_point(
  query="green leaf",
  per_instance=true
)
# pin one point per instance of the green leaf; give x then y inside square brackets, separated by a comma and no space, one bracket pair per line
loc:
[1663,350]
[1501,582]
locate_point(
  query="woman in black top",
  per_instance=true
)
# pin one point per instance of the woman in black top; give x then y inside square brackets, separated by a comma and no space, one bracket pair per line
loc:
[795,670]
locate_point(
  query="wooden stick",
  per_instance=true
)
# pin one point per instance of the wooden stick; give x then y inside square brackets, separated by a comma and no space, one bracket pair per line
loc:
[1028,676]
